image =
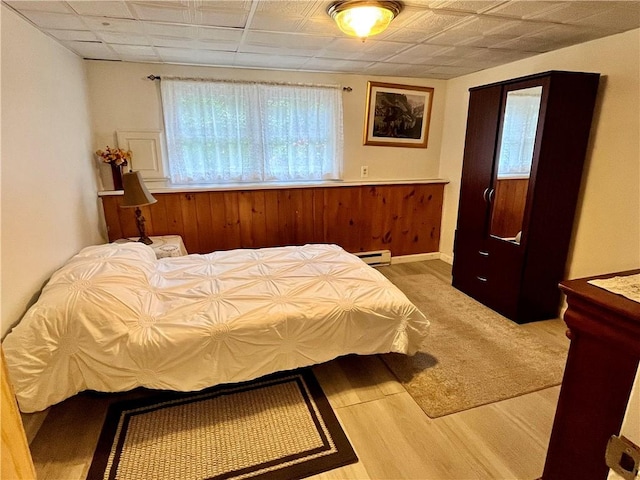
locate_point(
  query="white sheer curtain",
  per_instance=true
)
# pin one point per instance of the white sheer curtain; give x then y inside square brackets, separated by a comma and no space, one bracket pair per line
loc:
[221,131]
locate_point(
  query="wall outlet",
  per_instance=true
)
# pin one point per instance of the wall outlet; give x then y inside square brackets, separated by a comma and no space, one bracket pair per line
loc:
[364,171]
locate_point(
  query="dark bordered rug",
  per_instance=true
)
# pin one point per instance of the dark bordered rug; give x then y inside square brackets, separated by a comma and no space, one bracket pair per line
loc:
[277,427]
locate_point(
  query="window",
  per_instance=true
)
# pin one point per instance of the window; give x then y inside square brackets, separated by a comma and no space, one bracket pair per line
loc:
[221,132]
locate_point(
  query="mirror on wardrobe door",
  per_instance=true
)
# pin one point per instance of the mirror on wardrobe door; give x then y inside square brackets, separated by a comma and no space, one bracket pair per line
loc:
[515,155]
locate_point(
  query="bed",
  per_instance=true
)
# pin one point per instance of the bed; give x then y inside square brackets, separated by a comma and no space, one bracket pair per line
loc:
[114,318]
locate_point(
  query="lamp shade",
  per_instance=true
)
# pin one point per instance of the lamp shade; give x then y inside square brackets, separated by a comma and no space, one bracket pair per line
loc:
[364,18]
[135,191]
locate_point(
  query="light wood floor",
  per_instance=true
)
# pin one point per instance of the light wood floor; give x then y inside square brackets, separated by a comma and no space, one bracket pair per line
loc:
[391,435]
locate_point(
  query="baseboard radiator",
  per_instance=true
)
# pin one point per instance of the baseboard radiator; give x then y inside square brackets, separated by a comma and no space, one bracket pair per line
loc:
[375,258]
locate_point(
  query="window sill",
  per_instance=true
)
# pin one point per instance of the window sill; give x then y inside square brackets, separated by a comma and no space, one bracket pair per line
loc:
[274,186]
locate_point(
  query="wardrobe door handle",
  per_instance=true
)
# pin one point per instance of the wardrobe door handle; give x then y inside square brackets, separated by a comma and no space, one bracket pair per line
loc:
[484,194]
[484,254]
[482,279]
[491,192]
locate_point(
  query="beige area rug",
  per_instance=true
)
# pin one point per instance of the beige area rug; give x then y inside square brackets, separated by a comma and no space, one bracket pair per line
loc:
[473,355]
[277,427]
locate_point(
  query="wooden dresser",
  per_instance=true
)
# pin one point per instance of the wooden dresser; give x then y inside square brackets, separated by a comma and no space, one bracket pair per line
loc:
[604,329]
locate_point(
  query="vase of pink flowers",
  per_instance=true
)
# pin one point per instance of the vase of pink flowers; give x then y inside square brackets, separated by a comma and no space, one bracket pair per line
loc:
[117,158]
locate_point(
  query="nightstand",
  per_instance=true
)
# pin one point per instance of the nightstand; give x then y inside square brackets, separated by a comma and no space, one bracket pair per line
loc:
[163,245]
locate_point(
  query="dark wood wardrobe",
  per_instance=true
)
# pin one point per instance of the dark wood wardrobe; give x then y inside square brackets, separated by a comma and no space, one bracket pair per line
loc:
[525,146]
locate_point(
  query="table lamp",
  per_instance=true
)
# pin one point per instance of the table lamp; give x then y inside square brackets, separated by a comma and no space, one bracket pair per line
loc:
[136,195]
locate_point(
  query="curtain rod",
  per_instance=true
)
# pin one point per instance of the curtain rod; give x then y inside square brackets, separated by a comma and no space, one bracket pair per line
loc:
[156,77]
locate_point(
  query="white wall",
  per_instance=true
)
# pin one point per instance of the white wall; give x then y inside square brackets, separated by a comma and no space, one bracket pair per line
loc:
[122,98]
[48,196]
[606,234]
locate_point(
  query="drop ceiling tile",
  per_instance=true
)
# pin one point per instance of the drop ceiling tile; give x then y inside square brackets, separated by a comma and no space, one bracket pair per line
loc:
[217,45]
[285,40]
[140,59]
[224,35]
[355,45]
[134,50]
[420,3]
[227,5]
[570,12]
[327,65]
[433,22]
[396,69]
[404,35]
[485,41]
[106,8]
[523,9]
[74,35]
[614,20]
[528,44]
[320,25]
[352,49]
[503,56]
[40,6]
[569,34]
[472,6]
[161,3]
[462,52]
[58,21]
[101,24]
[255,60]
[452,70]
[180,55]
[475,63]
[119,38]
[517,28]
[286,8]
[453,37]
[182,44]
[406,17]
[482,24]
[96,50]
[171,12]
[418,54]
[199,57]
[234,14]
[168,30]
[276,23]
[276,52]
[217,58]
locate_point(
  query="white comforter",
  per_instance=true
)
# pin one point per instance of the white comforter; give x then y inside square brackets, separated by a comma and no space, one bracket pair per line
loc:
[114,318]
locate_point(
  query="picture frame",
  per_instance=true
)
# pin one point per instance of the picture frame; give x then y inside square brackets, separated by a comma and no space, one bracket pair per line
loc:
[397,115]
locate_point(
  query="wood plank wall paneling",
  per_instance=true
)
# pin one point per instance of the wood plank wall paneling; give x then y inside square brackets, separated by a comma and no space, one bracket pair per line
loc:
[402,218]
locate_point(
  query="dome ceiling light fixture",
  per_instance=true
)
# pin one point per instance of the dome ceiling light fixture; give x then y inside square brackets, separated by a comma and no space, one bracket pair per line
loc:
[364,18]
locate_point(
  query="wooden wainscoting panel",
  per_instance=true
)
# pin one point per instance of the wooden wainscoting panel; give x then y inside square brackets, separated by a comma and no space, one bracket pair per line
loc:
[157,220]
[343,217]
[190,233]
[286,217]
[253,225]
[231,228]
[168,207]
[402,218]
[426,214]
[272,218]
[111,208]
[204,218]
